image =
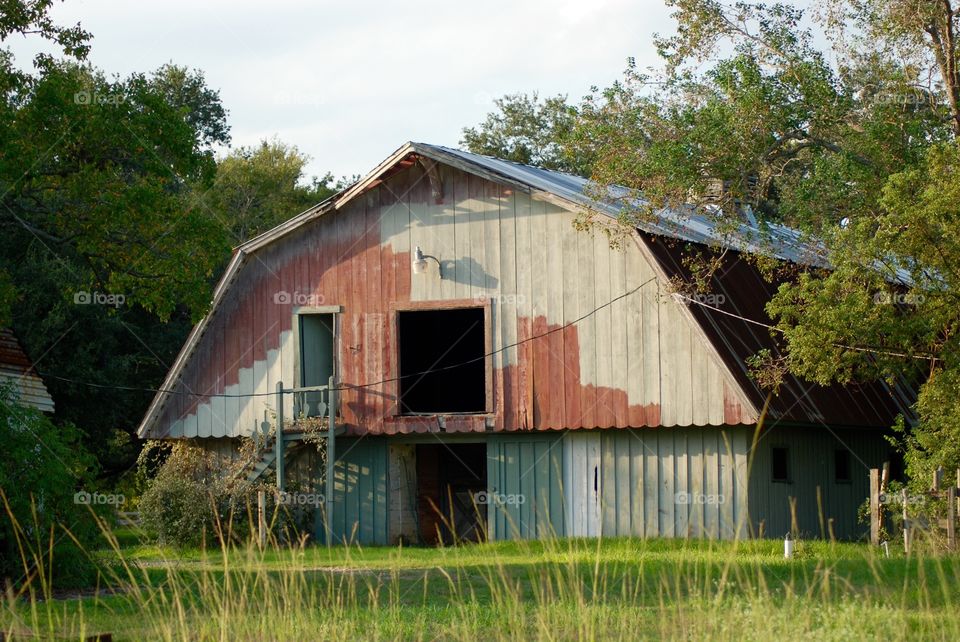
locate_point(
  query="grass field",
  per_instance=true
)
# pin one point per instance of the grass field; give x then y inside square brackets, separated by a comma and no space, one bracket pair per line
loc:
[553,590]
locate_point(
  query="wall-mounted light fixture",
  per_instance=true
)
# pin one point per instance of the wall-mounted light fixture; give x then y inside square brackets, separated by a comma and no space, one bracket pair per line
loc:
[419,263]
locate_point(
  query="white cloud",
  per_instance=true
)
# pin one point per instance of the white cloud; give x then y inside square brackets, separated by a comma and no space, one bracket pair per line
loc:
[348,84]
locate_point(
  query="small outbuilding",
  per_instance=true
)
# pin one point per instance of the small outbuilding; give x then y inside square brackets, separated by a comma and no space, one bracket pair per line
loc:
[18,371]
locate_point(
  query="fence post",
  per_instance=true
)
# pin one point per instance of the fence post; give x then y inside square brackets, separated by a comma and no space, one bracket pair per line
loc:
[906,522]
[874,506]
[261,518]
[278,441]
[952,517]
[331,458]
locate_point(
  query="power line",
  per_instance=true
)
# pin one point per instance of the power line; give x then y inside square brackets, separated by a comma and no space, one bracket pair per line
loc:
[880,351]
[559,328]
[365,385]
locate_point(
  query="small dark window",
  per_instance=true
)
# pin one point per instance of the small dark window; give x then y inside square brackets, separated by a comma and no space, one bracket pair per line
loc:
[897,467]
[442,364]
[841,465]
[780,464]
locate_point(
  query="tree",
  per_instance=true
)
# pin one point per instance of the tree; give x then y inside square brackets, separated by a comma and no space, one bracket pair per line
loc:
[42,465]
[526,129]
[260,187]
[106,253]
[32,18]
[863,153]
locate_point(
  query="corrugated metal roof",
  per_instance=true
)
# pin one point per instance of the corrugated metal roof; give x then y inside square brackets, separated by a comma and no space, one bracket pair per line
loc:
[774,240]
[16,366]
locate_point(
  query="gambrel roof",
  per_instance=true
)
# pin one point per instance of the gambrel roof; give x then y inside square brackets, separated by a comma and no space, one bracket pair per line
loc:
[734,332]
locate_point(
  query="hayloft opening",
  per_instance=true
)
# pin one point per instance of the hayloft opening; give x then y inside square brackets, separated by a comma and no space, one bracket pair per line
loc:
[442,365]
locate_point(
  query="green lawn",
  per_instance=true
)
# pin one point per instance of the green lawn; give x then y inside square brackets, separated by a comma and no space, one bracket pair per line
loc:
[557,590]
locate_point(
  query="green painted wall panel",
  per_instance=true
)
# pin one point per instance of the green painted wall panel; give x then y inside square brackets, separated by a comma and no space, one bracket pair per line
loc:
[526,471]
[811,464]
[360,491]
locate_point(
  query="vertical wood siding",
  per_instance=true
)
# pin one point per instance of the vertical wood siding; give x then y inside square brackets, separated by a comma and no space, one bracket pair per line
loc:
[638,362]
[360,492]
[678,482]
[811,464]
[524,474]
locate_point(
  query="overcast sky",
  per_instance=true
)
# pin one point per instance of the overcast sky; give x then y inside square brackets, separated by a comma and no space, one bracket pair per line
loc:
[350,82]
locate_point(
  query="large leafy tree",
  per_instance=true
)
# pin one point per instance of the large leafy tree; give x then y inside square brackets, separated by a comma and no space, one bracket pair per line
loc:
[259,187]
[857,145]
[115,220]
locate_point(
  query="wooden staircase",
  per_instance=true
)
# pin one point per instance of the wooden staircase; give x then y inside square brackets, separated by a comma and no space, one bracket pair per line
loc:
[268,458]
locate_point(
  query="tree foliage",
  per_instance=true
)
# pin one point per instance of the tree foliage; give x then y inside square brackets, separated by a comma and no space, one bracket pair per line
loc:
[116,219]
[528,130]
[42,465]
[257,188]
[856,143]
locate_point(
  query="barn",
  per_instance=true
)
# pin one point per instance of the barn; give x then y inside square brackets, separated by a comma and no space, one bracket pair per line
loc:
[475,348]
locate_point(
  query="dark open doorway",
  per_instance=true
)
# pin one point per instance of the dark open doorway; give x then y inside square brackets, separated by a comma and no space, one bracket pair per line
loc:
[442,366]
[449,477]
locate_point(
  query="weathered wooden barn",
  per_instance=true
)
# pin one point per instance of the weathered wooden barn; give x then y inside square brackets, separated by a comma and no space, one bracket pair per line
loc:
[485,350]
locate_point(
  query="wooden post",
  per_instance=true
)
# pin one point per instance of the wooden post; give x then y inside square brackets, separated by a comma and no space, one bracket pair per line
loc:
[278,441]
[937,478]
[874,506]
[331,459]
[952,517]
[884,480]
[261,518]
[906,522]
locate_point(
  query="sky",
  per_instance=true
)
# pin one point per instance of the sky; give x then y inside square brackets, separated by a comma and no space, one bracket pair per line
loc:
[350,82]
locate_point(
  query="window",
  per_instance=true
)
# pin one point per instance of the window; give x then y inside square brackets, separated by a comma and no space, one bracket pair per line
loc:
[780,464]
[897,466]
[841,465]
[316,357]
[442,361]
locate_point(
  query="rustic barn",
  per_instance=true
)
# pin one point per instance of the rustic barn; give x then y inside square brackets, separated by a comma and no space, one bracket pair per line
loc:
[483,349]
[18,371]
